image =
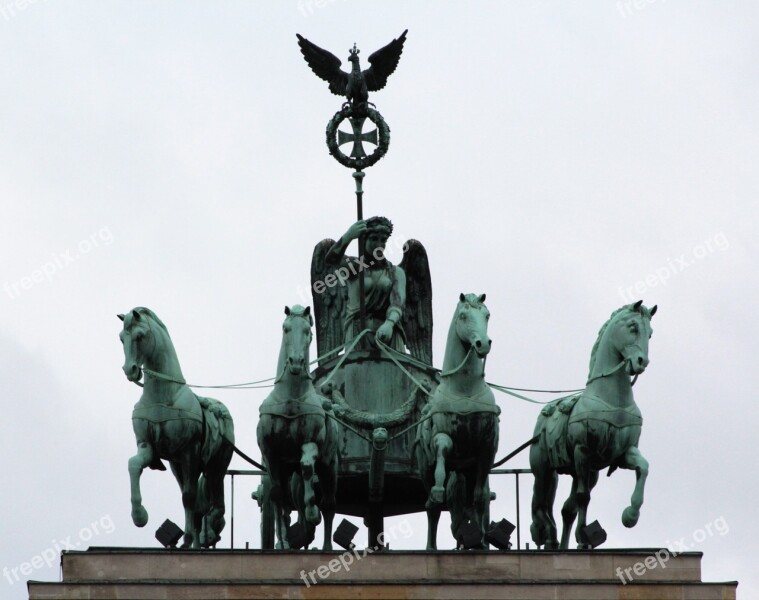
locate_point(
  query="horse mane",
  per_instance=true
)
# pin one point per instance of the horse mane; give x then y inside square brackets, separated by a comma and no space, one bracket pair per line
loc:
[604,327]
[149,313]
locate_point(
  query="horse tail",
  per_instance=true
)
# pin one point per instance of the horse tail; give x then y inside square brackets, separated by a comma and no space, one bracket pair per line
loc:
[217,431]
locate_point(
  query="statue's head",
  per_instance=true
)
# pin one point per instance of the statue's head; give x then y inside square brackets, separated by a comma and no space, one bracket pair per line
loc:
[353,54]
[378,229]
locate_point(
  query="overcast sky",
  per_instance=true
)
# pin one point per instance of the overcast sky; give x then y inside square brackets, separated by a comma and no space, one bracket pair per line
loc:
[563,157]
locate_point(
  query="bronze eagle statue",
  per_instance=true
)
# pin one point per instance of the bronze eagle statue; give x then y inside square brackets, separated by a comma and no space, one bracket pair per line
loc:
[357,84]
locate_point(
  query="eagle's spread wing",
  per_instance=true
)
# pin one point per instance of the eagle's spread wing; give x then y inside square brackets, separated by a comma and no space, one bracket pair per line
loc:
[327,66]
[383,62]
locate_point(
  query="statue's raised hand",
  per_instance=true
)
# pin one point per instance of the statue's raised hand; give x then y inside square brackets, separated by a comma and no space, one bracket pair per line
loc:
[355,230]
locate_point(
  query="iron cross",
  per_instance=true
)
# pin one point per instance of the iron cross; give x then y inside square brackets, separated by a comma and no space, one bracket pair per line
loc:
[357,123]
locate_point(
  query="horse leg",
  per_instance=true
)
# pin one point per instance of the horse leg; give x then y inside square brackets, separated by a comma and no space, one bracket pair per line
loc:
[543,527]
[633,459]
[137,464]
[214,519]
[481,498]
[308,457]
[458,498]
[442,444]
[433,518]
[190,473]
[328,482]
[214,495]
[568,515]
[263,495]
[582,493]
[277,496]
[543,497]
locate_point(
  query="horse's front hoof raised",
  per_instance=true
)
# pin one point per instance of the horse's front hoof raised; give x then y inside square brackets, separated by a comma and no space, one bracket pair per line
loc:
[630,516]
[437,494]
[140,516]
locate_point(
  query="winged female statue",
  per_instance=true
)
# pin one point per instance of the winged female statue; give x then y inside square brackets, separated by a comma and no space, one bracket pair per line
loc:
[398,298]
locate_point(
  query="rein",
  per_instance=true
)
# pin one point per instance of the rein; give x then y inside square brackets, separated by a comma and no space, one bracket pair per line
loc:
[461,366]
[250,384]
[608,373]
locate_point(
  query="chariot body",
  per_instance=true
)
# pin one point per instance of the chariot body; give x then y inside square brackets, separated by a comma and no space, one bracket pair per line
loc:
[376,377]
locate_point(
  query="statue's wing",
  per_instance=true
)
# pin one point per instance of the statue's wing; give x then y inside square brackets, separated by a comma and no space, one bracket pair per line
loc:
[325,64]
[383,62]
[329,305]
[417,314]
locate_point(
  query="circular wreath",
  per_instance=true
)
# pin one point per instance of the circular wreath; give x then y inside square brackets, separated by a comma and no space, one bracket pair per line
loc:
[365,161]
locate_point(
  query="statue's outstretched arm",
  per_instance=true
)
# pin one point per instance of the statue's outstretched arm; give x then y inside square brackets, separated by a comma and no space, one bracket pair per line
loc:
[397,298]
[394,312]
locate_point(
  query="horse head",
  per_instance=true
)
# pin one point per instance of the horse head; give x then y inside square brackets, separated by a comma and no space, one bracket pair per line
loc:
[471,323]
[296,340]
[138,341]
[629,336]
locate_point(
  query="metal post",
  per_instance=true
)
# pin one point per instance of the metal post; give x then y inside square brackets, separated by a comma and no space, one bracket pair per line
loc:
[359,176]
[519,541]
[232,526]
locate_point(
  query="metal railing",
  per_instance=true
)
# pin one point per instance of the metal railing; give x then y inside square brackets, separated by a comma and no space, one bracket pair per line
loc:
[515,472]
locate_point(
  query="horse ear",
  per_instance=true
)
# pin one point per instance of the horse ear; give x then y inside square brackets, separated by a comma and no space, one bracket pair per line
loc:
[653,310]
[636,306]
[135,315]
[462,297]
[287,310]
[482,298]
[121,317]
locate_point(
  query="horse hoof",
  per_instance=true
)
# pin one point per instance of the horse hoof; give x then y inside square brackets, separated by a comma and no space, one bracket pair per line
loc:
[313,515]
[208,540]
[140,516]
[437,494]
[630,516]
[584,547]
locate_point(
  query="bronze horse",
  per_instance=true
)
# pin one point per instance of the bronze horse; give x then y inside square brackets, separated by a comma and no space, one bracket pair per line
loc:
[598,428]
[455,448]
[196,435]
[296,437]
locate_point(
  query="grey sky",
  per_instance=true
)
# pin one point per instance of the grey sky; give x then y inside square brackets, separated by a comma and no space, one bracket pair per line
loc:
[556,155]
